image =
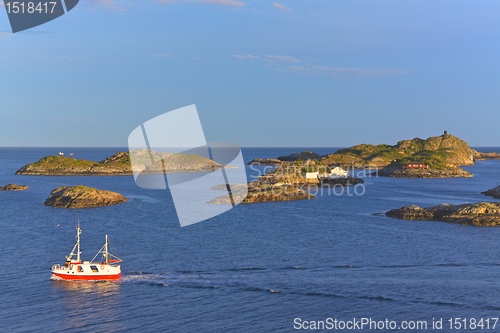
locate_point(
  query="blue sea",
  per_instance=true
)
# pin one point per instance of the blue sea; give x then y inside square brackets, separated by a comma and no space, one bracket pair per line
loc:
[255,268]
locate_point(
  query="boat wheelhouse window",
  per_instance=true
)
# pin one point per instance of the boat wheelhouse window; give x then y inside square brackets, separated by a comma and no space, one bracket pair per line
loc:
[94,269]
[80,268]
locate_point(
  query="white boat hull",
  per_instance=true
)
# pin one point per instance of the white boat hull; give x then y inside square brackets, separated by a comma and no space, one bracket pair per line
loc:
[86,271]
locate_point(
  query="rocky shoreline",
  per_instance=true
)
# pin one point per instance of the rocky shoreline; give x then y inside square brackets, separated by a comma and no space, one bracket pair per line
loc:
[483,214]
[264,161]
[347,181]
[424,173]
[486,156]
[260,193]
[82,197]
[494,192]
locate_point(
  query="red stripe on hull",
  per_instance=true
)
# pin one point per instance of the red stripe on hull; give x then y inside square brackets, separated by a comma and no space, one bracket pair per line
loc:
[73,277]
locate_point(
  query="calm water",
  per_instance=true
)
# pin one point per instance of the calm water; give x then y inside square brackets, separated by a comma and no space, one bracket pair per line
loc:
[327,257]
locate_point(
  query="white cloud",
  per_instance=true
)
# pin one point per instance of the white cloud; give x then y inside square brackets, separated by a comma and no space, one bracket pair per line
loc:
[232,3]
[282,58]
[163,55]
[292,64]
[282,7]
[246,56]
[6,33]
[342,72]
[110,4]
[229,3]
[121,5]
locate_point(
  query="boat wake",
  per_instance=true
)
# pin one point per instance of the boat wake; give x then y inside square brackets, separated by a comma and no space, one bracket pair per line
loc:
[179,279]
[145,278]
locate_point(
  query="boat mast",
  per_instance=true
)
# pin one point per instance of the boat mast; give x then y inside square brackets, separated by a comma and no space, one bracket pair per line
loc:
[78,232]
[106,253]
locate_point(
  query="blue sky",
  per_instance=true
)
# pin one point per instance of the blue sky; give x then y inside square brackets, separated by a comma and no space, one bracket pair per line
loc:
[262,73]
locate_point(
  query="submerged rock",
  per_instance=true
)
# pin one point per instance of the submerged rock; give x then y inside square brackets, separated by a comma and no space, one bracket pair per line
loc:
[483,214]
[83,197]
[13,187]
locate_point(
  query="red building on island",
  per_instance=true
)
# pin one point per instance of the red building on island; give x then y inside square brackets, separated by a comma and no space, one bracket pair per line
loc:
[416,165]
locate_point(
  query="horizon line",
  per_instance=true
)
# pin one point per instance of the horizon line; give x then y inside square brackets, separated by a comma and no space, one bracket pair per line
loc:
[124,147]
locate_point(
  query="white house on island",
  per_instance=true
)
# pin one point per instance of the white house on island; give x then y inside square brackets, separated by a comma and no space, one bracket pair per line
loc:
[337,172]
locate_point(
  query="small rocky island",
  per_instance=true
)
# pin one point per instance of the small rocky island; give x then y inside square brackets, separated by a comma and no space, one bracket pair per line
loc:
[82,197]
[302,156]
[494,192]
[259,192]
[13,187]
[435,157]
[282,184]
[483,214]
[264,161]
[286,182]
[119,164]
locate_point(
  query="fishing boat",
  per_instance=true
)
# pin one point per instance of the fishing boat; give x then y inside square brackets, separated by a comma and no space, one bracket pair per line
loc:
[106,268]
